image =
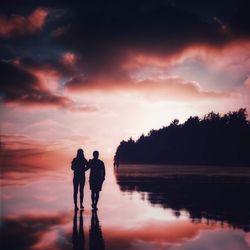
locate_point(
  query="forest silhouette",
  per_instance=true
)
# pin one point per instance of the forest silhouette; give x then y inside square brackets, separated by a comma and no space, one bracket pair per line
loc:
[212,140]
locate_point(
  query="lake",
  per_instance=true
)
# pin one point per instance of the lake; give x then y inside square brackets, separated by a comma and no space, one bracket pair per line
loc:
[140,207]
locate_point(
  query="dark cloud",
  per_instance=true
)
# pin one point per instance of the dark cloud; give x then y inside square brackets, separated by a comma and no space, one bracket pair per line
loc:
[106,36]
[17,25]
[109,36]
[19,85]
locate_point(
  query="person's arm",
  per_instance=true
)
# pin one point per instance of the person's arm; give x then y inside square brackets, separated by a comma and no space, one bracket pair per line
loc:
[104,172]
[73,165]
[87,164]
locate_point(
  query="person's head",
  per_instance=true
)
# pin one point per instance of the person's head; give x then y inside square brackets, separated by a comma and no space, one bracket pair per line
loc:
[95,154]
[79,153]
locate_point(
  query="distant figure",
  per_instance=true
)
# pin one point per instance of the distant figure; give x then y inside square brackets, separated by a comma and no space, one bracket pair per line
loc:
[96,178]
[79,166]
[96,240]
[78,238]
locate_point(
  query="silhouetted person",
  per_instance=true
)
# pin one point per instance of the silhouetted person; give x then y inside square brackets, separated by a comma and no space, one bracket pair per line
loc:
[96,241]
[78,238]
[79,166]
[96,177]
[116,164]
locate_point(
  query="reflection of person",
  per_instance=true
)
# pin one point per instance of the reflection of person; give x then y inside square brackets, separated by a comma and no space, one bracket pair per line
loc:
[78,236]
[96,241]
[96,177]
[78,165]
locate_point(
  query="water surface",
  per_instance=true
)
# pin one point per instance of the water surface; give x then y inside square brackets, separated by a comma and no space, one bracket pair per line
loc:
[141,207]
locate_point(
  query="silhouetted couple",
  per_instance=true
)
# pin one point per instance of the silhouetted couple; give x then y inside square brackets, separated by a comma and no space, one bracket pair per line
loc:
[97,175]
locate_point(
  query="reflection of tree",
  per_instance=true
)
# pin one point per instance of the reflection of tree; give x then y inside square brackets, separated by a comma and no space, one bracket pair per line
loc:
[215,139]
[216,198]
[78,234]
[96,241]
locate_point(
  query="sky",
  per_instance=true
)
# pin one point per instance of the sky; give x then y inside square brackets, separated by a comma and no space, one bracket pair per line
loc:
[91,73]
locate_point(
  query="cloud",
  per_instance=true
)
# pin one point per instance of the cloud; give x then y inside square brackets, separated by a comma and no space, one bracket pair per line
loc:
[22,87]
[57,32]
[68,58]
[247,83]
[104,37]
[103,44]
[168,88]
[110,47]
[19,25]
[150,74]
[29,87]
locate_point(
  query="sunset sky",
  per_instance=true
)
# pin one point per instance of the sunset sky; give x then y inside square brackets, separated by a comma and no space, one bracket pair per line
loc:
[92,73]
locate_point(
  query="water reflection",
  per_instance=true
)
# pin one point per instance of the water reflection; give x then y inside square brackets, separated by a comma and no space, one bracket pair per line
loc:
[78,238]
[215,197]
[39,215]
[96,240]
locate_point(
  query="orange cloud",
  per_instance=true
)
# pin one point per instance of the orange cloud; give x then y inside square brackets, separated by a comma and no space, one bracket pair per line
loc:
[19,25]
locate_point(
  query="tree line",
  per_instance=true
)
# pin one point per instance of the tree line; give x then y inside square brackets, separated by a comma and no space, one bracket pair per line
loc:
[211,140]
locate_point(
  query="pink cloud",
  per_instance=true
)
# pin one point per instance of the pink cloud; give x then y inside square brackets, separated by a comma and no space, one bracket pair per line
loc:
[232,56]
[83,108]
[231,59]
[247,83]
[19,25]
[48,78]
[68,58]
[58,31]
[170,88]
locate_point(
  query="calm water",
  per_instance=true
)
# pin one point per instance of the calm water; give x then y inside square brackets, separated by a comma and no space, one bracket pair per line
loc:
[141,207]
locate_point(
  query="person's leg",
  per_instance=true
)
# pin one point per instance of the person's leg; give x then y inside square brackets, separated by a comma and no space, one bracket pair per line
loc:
[82,182]
[96,198]
[75,183]
[93,198]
